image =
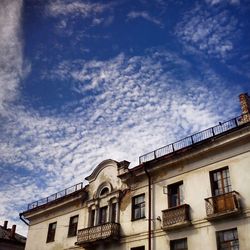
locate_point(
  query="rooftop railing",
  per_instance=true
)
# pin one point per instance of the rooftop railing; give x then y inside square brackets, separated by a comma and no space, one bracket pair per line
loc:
[56,196]
[195,138]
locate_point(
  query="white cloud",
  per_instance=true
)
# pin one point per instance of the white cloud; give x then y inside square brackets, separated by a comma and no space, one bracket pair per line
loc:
[213,34]
[143,14]
[83,8]
[11,58]
[215,2]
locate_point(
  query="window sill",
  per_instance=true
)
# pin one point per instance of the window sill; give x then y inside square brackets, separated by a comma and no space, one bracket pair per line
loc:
[71,236]
[144,217]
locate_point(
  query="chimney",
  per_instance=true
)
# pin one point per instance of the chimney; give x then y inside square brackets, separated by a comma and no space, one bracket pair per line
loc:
[123,167]
[245,107]
[5,224]
[13,231]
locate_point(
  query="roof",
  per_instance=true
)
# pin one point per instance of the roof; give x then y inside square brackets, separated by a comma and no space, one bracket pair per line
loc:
[5,235]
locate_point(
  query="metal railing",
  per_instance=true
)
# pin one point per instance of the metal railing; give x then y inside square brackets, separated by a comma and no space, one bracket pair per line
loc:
[175,215]
[195,138]
[56,196]
[222,204]
[100,232]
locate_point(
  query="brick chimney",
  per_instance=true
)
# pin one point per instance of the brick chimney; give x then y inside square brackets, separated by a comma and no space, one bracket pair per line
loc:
[13,231]
[245,107]
[5,224]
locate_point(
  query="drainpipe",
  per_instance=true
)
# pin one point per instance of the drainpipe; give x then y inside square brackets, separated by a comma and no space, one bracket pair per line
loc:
[22,219]
[149,207]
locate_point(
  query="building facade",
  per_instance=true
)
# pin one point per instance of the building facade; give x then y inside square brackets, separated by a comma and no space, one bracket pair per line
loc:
[191,194]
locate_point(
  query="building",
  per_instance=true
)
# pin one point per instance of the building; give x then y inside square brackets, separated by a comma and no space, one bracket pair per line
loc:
[9,239]
[191,194]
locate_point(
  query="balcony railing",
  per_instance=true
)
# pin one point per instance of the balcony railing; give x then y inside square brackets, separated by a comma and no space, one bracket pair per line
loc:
[176,217]
[56,196]
[222,205]
[195,138]
[93,235]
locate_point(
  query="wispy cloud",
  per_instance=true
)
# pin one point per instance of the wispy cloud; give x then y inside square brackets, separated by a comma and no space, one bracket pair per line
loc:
[11,58]
[82,8]
[143,14]
[212,34]
[215,2]
[65,11]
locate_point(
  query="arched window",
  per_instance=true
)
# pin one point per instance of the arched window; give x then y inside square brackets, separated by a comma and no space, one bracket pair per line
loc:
[104,191]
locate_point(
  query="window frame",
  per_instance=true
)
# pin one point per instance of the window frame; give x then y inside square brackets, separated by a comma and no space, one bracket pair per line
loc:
[72,230]
[180,196]
[51,232]
[224,182]
[138,248]
[141,206]
[103,215]
[172,242]
[92,217]
[234,231]
[113,216]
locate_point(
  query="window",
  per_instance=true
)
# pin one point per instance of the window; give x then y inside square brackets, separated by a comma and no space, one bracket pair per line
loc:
[228,240]
[92,218]
[180,244]
[138,207]
[73,226]
[175,194]
[104,191]
[138,248]
[51,232]
[113,212]
[220,181]
[103,215]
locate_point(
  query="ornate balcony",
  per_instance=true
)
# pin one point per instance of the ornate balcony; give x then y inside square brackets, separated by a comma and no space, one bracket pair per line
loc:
[94,235]
[223,205]
[176,217]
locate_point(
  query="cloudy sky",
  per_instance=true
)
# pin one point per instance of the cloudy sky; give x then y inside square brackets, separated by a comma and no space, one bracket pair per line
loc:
[83,81]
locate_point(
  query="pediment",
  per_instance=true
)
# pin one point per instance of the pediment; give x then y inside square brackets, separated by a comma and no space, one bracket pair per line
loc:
[99,168]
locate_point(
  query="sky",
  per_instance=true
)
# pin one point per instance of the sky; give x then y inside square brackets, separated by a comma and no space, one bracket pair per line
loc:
[84,81]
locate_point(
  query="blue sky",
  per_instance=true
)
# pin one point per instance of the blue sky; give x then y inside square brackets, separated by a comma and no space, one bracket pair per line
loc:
[83,81]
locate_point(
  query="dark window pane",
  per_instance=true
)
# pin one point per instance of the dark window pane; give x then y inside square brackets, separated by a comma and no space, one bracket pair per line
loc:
[51,232]
[228,240]
[103,215]
[73,222]
[180,244]
[138,207]
[175,194]
[92,218]
[113,212]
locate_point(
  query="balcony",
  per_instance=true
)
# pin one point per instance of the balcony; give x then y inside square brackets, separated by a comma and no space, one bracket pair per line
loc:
[176,217]
[223,205]
[94,235]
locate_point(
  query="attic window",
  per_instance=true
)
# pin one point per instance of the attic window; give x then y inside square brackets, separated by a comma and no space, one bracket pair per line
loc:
[104,191]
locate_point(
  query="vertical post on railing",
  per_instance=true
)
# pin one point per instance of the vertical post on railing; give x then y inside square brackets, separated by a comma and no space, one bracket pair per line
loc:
[213,131]
[236,122]
[172,146]
[192,139]
[154,154]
